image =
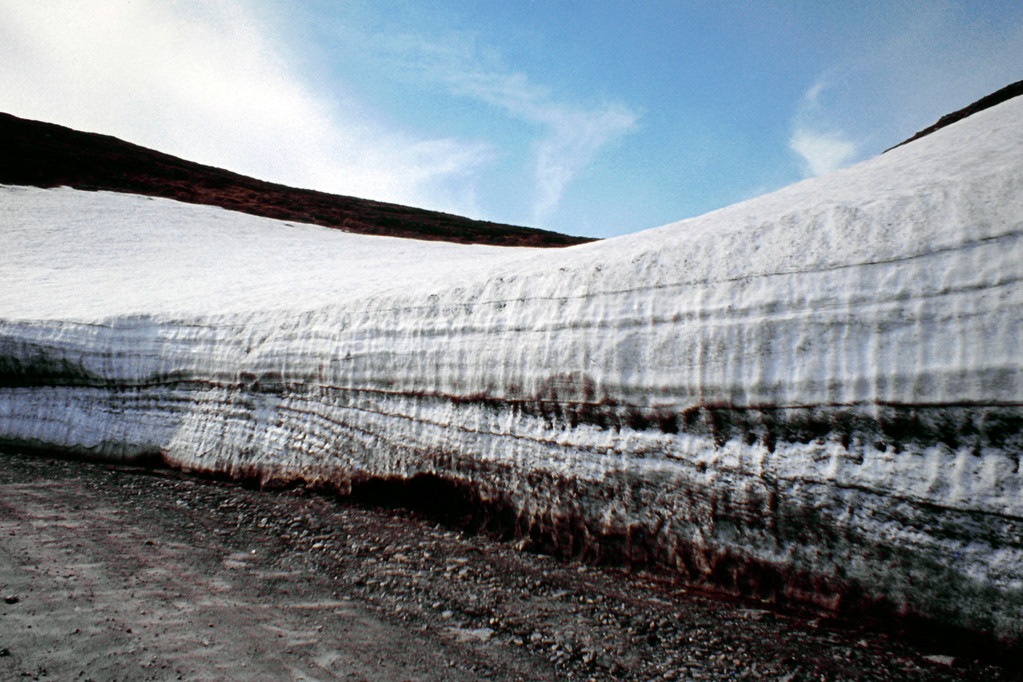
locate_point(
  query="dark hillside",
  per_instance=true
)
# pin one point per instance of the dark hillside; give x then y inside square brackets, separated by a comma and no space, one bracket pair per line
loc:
[1006,93]
[48,155]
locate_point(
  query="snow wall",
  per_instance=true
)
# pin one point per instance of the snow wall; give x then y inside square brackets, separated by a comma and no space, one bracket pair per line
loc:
[816,395]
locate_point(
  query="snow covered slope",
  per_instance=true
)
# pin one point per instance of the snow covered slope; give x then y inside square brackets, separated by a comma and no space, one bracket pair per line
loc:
[813,395]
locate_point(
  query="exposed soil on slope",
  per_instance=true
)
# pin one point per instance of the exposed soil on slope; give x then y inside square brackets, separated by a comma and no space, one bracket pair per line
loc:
[121,573]
[48,155]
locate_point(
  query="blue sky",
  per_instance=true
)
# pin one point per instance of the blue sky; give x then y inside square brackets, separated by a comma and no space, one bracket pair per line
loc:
[588,117]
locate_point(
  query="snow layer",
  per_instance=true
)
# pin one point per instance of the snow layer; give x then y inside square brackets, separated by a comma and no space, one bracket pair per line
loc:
[816,394]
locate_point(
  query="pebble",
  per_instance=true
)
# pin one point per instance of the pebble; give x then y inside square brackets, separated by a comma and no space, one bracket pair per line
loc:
[471,634]
[940,660]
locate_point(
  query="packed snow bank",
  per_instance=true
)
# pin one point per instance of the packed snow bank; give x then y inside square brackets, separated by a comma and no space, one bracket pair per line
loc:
[817,394]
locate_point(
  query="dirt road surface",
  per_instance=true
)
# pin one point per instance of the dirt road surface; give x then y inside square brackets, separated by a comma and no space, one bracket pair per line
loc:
[122,573]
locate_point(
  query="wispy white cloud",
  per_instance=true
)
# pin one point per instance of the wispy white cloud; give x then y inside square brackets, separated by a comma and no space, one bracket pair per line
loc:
[821,147]
[570,135]
[206,80]
[573,141]
[821,152]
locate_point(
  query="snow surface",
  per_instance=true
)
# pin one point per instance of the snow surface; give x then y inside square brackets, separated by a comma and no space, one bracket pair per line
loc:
[816,394]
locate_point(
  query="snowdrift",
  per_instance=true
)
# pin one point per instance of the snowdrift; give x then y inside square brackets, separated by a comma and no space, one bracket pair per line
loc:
[814,395]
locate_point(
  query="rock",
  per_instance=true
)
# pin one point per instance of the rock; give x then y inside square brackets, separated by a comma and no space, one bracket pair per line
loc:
[471,634]
[939,659]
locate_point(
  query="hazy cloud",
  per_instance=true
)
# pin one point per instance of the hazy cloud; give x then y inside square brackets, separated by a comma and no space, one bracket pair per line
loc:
[205,80]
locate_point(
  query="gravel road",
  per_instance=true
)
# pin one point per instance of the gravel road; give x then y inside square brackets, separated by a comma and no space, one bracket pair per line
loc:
[122,573]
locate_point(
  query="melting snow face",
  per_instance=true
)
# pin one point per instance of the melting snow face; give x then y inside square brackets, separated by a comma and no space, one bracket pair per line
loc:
[817,394]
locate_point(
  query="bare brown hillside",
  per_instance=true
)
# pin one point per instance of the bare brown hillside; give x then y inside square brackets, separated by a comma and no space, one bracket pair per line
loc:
[49,155]
[997,97]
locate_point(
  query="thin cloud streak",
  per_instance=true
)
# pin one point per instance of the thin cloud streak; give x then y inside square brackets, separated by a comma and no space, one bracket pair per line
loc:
[574,141]
[572,135]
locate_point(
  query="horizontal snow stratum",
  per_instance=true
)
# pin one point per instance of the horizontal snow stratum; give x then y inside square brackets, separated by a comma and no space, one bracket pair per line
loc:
[814,395]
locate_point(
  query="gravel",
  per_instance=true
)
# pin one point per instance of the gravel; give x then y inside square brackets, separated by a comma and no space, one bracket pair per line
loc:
[498,607]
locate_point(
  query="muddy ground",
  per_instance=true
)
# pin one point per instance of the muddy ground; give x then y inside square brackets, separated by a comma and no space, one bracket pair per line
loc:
[123,573]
